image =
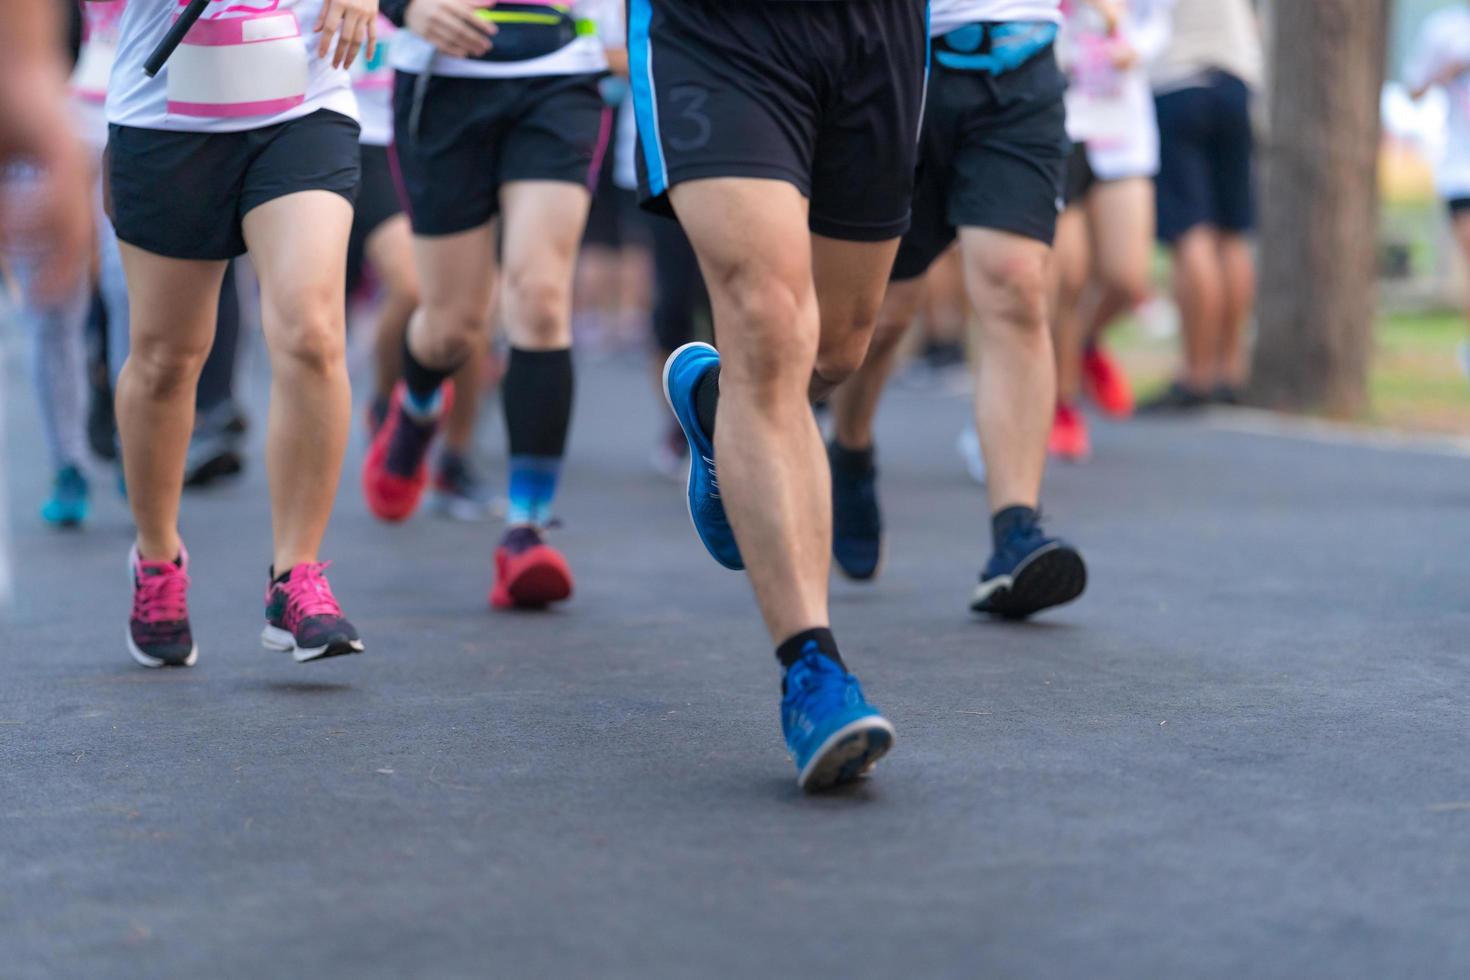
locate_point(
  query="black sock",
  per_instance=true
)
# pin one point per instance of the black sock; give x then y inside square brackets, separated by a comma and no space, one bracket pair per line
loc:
[707,399]
[795,648]
[856,461]
[537,394]
[1007,519]
[422,381]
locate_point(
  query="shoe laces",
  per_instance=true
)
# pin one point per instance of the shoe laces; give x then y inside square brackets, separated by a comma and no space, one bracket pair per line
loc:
[714,477]
[308,593]
[814,682]
[162,592]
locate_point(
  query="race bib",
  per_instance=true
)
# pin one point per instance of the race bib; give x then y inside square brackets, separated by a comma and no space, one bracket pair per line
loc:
[239,66]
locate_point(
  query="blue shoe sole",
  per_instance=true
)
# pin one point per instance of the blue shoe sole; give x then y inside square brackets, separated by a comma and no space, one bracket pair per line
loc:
[1051,577]
[733,562]
[848,754]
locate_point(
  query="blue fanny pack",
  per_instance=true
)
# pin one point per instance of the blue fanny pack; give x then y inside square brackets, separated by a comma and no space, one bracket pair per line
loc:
[994,48]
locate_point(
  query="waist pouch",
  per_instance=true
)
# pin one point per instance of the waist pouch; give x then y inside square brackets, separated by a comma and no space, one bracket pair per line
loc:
[531,30]
[994,48]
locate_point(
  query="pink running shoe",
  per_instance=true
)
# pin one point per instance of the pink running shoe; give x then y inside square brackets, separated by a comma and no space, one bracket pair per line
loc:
[158,630]
[302,616]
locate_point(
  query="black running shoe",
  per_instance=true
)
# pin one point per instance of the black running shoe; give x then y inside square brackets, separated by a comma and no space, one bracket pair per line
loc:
[1028,573]
[1175,398]
[857,522]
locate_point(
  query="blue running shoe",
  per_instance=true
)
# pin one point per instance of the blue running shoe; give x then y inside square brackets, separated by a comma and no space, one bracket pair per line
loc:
[857,523]
[1030,572]
[682,373]
[833,733]
[68,504]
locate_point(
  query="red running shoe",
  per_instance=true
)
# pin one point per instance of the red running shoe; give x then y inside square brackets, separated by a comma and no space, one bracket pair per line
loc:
[1106,383]
[529,573]
[396,470]
[1069,439]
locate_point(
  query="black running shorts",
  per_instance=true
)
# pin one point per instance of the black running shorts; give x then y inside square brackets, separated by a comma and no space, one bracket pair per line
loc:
[185,195]
[825,96]
[473,135]
[993,155]
[377,202]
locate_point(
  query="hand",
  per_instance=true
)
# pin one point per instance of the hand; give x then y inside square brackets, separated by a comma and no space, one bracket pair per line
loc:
[1111,11]
[1122,55]
[451,26]
[351,22]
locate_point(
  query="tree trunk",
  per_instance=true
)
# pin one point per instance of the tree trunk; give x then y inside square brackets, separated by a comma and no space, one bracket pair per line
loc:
[1319,206]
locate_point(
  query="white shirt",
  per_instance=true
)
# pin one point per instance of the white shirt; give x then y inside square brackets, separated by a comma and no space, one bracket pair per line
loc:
[134,99]
[1111,112]
[585,55]
[1443,42]
[372,81]
[946,15]
[94,68]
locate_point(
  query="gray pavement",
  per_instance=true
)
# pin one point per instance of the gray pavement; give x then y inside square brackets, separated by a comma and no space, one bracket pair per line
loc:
[1246,751]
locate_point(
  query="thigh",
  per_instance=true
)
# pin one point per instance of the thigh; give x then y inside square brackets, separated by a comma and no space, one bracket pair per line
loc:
[298,247]
[1232,155]
[1183,191]
[377,203]
[1010,161]
[560,133]
[176,194]
[1121,219]
[389,250]
[541,229]
[445,147]
[1006,276]
[172,303]
[867,143]
[720,90]
[457,272]
[850,279]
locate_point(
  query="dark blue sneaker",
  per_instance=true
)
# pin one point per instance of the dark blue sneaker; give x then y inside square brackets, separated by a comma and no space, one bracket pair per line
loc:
[682,373]
[68,504]
[857,523]
[833,733]
[1030,572]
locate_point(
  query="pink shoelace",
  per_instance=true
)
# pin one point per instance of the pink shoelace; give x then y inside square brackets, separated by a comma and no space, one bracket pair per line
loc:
[309,594]
[162,595]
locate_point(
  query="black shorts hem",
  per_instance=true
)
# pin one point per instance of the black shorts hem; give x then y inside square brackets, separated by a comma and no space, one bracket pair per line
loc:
[848,231]
[1043,232]
[1457,206]
[710,170]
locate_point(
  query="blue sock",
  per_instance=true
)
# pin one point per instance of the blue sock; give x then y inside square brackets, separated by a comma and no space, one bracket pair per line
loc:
[532,489]
[423,406]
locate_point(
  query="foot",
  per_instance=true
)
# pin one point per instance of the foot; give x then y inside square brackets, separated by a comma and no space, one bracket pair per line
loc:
[1028,573]
[1227,395]
[69,501]
[682,373]
[459,493]
[1175,398]
[529,573]
[857,523]
[396,470]
[968,446]
[158,629]
[1106,383]
[302,617]
[833,734]
[1069,439]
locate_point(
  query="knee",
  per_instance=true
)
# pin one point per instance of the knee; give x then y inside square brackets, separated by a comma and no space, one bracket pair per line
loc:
[541,306]
[311,331]
[1016,296]
[1129,288]
[444,332]
[772,335]
[164,370]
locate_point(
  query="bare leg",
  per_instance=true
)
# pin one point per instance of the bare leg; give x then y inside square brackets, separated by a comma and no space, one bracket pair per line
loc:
[850,279]
[173,303]
[855,403]
[1016,385]
[390,251]
[1238,272]
[543,228]
[298,244]
[1121,222]
[1200,294]
[1073,259]
[754,248]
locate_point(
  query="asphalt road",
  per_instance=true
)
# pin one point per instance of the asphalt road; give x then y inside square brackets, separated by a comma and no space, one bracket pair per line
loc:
[1246,751]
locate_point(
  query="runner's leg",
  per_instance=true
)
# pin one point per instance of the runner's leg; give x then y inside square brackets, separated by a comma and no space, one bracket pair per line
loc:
[298,244]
